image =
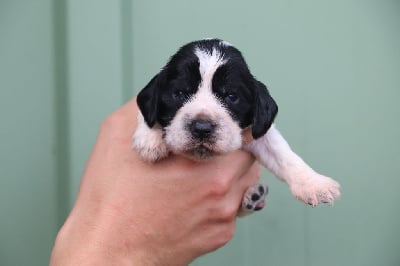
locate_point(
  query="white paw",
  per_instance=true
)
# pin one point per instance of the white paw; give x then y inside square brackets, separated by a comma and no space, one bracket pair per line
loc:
[315,189]
[150,152]
[149,142]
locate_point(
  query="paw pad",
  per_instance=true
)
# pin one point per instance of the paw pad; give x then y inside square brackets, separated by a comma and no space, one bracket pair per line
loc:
[254,198]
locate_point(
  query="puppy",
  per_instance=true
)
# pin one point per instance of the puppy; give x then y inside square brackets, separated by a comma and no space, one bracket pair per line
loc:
[199,105]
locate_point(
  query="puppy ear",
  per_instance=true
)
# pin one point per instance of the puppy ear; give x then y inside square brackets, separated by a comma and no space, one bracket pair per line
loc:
[265,110]
[147,100]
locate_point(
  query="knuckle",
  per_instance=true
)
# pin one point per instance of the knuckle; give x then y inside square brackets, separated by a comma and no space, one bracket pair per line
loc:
[221,238]
[251,176]
[219,187]
[228,214]
[258,171]
[226,235]
[218,237]
[223,214]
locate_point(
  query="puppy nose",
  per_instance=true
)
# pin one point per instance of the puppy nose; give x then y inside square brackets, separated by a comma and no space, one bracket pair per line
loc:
[201,128]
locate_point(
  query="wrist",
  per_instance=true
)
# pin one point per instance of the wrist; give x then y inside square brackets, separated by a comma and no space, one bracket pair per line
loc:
[82,243]
[103,240]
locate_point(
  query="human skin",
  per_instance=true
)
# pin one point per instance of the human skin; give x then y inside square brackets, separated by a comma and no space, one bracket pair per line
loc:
[129,212]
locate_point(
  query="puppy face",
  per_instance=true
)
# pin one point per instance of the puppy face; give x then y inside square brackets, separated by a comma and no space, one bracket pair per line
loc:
[204,97]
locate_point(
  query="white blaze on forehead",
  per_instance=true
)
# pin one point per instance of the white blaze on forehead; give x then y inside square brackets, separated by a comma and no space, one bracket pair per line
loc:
[204,101]
[208,63]
[226,43]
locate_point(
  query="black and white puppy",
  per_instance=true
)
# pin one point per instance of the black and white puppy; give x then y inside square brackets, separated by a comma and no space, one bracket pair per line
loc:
[199,105]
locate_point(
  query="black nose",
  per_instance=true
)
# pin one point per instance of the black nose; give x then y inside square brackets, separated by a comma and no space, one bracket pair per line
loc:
[201,128]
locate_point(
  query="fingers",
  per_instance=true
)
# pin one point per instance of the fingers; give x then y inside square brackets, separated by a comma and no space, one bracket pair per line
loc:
[217,235]
[247,180]
[251,176]
[227,205]
[237,163]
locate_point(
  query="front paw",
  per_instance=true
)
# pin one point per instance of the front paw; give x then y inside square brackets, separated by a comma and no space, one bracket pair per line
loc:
[315,189]
[150,151]
[149,142]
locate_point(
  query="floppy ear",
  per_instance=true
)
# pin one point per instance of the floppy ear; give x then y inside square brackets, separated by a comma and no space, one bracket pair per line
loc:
[265,110]
[147,100]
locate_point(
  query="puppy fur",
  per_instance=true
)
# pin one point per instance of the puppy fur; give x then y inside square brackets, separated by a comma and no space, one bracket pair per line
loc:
[199,104]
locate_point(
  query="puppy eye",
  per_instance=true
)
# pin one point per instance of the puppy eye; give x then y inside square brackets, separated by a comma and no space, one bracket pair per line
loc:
[179,95]
[231,98]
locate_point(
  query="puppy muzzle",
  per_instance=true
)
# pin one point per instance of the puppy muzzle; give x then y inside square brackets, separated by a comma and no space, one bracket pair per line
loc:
[202,129]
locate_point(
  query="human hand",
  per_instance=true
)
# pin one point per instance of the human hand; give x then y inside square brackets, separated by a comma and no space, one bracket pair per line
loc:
[167,213]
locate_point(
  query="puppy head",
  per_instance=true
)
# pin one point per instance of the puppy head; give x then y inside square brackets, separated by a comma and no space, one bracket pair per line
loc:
[203,99]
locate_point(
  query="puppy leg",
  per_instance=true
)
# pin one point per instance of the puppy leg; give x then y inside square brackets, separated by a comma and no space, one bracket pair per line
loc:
[274,153]
[149,142]
[253,199]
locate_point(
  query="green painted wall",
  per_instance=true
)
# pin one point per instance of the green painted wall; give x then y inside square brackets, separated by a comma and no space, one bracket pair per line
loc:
[332,66]
[28,200]
[334,69]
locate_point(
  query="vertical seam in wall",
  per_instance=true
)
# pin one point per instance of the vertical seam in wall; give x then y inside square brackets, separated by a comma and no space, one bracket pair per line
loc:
[306,145]
[306,247]
[61,116]
[126,49]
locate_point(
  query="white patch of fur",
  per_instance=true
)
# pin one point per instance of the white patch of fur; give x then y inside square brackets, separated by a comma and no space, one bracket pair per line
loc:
[274,153]
[208,63]
[149,142]
[226,43]
[221,42]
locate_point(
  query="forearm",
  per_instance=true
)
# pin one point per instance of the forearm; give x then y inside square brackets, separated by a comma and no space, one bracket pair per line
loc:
[102,235]
[79,243]
[82,244]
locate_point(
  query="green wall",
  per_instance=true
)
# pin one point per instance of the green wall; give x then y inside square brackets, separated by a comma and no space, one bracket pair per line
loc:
[332,66]
[28,162]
